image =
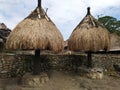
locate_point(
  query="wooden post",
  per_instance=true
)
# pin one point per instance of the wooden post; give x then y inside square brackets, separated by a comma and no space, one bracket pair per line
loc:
[39,4]
[36,62]
[89,60]
[88,11]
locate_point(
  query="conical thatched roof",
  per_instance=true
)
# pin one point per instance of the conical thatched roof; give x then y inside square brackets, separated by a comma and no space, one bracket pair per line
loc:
[36,31]
[89,35]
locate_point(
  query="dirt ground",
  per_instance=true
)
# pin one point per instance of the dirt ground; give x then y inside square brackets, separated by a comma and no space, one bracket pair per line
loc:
[66,81]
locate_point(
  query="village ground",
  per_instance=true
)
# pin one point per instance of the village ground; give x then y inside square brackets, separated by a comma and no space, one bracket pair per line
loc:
[59,80]
[65,80]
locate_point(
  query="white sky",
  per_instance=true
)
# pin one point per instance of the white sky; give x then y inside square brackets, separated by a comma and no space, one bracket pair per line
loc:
[66,14]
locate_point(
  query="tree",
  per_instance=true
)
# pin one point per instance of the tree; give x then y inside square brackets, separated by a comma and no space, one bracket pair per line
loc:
[111,23]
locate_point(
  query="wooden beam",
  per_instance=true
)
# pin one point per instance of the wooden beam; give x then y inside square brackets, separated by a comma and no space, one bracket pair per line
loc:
[107,52]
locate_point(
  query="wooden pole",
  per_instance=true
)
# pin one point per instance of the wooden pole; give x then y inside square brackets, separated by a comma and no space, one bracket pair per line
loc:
[39,3]
[36,62]
[89,58]
[88,11]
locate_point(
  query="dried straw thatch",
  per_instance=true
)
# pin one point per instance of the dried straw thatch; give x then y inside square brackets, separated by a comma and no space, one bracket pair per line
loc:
[36,31]
[89,35]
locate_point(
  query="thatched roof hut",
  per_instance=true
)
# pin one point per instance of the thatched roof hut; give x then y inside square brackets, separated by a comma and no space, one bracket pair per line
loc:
[89,35]
[36,31]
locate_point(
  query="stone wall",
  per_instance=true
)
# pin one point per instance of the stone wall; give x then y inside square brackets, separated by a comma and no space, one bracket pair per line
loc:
[12,65]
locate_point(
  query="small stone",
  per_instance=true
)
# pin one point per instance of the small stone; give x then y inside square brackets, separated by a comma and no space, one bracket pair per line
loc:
[95,73]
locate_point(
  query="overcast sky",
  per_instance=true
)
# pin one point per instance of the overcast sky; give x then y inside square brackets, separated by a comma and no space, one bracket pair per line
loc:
[66,14]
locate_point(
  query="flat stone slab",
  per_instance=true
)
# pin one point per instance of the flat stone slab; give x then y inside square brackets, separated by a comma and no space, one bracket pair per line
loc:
[92,73]
[30,80]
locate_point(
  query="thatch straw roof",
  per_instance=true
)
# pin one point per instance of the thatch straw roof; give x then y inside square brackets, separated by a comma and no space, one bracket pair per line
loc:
[89,35]
[36,31]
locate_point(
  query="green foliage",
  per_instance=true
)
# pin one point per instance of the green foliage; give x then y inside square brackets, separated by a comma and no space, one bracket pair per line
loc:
[111,23]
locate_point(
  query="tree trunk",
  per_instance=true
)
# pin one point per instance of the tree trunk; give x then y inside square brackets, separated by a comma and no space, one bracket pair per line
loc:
[89,62]
[36,62]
